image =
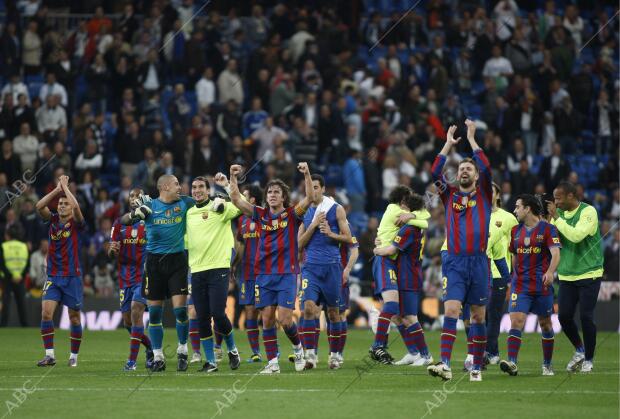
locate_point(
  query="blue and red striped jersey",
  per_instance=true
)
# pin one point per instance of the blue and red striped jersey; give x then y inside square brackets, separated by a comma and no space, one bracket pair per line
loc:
[132,253]
[248,233]
[467,214]
[410,242]
[531,247]
[277,251]
[65,242]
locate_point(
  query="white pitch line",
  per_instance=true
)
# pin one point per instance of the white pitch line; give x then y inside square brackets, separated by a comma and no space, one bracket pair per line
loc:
[302,390]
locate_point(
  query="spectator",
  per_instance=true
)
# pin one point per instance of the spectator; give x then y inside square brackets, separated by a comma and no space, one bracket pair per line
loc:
[518,154]
[573,24]
[52,87]
[130,149]
[150,74]
[523,180]
[354,183]
[229,122]
[166,167]
[38,268]
[205,89]
[518,52]
[568,124]
[498,67]
[23,113]
[254,118]
[32,49]
[554,168]
[229,84]
[50,118]
[11,48]
[90,159]
[266,137]
[10,163]
[179,108]
[282,95]
[26,146]
[15,87]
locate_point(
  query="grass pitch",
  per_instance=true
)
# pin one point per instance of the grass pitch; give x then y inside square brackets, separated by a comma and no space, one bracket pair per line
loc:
[98,388]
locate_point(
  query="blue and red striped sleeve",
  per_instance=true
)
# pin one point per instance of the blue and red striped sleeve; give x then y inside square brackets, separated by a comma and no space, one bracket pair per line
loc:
[404,238]
[436,171]
[486,175]
[552,238]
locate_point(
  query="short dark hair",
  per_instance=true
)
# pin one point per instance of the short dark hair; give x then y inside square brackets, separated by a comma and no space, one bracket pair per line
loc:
[567,187]
[399,193]
[415,202]
[202,179]
[15,232]
[286,192]
[498,201]
[529,200]
[256,192]
[320,178]
[469,160]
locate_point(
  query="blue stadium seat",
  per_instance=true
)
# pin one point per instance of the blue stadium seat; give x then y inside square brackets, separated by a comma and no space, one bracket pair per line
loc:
[33,89]
[333,175]
[34,78]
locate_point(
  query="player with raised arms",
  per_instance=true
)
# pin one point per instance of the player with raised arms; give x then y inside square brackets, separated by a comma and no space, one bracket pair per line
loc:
[324,229]
[536,247]
[276,265]
[128,244]
[466,265]
[64,271]
[166,263]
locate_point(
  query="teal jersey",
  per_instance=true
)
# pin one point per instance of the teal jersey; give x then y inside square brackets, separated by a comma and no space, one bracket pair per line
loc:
[165,226]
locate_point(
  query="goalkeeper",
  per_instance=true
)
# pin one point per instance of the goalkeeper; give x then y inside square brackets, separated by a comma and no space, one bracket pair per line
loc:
[210,245]
[166,263]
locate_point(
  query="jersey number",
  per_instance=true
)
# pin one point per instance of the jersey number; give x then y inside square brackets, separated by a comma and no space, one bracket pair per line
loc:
[122,295]
[422,243]
[46,286]
[392,275]
[304,284]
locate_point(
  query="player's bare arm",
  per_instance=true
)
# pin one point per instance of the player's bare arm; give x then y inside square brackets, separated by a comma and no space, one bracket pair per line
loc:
[304,235]
[41,206]
[353,255]
[385,251]
[77,212]
[345,232]
[553,265]
[305,203]
[235,195]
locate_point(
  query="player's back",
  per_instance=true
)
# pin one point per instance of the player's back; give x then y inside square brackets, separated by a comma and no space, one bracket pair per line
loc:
[320,248]
[410,242]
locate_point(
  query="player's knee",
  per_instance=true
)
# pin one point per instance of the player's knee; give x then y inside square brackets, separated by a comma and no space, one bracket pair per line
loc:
[46,315]
[250,312]
[74,317]
[309,309]
[191,311]
[155,314]
[180,313]
[545,324]
[333,314]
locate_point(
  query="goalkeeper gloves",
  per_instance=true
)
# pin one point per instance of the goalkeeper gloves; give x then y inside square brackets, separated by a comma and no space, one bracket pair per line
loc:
[141,212]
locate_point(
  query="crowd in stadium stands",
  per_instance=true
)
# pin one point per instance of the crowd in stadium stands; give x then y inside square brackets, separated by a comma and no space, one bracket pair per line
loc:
[362,90]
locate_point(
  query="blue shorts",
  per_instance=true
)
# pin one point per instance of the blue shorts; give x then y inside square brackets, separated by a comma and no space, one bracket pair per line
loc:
[541,305]
[247,291]
[130,294]
[409,302]
[190,299]
[344,299]
[67,290]
[384,274]
[276,290]
[321,283]
[466,279]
